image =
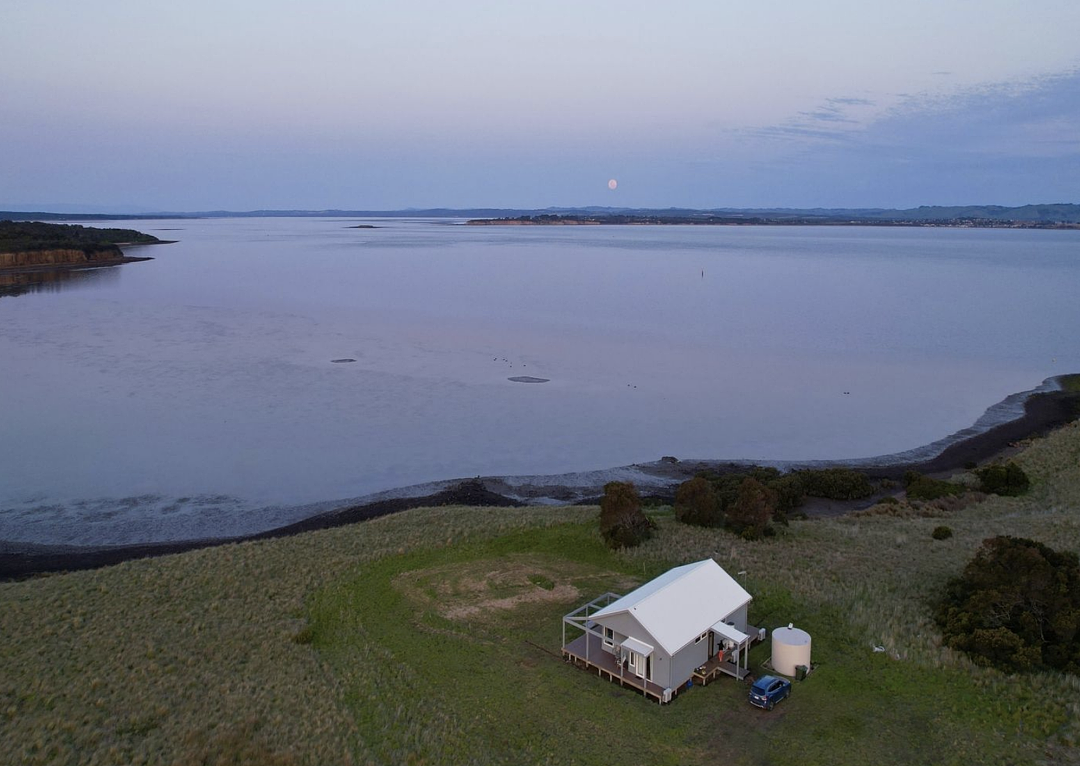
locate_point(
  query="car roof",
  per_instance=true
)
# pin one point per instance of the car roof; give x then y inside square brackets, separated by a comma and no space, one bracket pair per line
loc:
[764,682]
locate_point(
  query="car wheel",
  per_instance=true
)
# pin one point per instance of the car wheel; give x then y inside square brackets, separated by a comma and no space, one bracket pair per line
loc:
[770,705]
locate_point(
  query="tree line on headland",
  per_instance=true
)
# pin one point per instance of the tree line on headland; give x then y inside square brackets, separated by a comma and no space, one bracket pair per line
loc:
[29,236]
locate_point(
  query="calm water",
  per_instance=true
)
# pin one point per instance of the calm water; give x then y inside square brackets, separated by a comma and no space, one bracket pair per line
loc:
[195,393]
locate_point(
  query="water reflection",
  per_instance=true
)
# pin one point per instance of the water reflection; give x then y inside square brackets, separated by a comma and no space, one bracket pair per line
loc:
[22,283]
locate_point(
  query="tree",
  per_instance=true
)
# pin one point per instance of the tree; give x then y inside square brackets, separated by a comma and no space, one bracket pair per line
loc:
[749,515]
[622,523]
[1016,607]
[696,503]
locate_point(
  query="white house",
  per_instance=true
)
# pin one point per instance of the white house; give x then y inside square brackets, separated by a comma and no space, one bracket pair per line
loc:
[688,623]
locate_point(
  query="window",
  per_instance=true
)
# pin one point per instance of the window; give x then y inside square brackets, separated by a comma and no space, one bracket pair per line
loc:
[701,638]
[609,636]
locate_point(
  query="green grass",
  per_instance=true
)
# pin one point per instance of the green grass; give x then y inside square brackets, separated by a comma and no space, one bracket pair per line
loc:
[502,699]
[430,637]
[1070,383]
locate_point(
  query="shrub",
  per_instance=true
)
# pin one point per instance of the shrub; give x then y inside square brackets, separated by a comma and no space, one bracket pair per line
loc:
[941,533]
[1016,607]
[696,503]
[888,500]
[836,483]
[622,523]
[749,515]
[1003,479]
[921,487]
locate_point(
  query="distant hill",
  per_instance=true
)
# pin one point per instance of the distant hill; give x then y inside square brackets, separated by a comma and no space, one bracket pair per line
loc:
[1056,213]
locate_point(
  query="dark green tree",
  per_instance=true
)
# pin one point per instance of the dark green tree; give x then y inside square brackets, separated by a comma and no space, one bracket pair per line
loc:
[1016,607]
[751,512]
[622,523]
[696,503]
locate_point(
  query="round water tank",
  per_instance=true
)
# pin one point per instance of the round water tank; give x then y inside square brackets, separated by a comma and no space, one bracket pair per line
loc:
[790,647]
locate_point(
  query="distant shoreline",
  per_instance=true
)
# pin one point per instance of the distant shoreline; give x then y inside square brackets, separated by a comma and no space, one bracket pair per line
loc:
[648,220]
[1043,411]
[1057,214]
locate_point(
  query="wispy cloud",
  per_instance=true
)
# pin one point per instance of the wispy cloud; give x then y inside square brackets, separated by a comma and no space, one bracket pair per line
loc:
[1034,117]
[1006,143]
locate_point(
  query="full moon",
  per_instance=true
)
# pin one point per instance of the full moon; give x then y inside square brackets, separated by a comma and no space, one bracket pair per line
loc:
[612,184]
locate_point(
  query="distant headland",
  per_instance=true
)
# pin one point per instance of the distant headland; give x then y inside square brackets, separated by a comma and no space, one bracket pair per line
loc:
[45,248]
[1044,217]
[1039,216]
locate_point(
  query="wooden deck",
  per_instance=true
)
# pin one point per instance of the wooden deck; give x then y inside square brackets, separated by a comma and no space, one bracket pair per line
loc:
[713,668]
[606,666]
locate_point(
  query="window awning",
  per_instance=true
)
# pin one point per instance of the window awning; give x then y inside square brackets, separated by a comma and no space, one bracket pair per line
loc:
[637,646]
[730,632]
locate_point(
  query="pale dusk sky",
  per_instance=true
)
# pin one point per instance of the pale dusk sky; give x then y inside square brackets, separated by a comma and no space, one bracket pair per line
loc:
[145,106]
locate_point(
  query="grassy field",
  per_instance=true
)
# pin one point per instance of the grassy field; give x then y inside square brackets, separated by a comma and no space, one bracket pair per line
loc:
[432,637]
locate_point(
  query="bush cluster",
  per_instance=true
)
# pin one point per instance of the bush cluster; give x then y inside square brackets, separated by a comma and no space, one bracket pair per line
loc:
[747,503]
[1016,607]
[836,483]
[1003,479]
[941,533]
[921,487]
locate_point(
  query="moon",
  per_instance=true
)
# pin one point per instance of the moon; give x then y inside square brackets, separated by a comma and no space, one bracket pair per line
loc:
[613,184]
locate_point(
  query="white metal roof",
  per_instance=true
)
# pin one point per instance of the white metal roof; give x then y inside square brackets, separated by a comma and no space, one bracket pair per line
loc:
[637,646]
[681,604]
[730,632]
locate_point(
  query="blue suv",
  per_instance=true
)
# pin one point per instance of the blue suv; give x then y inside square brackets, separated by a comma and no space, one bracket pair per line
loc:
[768,690]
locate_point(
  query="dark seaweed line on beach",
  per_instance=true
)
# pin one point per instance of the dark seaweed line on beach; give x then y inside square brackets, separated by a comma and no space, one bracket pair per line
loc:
[1043,412]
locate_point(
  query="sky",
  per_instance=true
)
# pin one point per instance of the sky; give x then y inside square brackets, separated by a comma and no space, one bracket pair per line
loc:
[141,105]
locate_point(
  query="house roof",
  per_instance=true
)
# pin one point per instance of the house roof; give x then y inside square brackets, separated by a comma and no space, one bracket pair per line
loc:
[681,604]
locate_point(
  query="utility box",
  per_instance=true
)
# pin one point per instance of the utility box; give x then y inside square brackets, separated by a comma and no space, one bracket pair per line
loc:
[800,672]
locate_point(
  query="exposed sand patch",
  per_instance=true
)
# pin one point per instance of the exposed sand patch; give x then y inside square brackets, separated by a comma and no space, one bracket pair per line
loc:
[564,592]
[476,589]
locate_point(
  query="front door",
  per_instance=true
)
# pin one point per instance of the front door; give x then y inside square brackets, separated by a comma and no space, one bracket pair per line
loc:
[639,664]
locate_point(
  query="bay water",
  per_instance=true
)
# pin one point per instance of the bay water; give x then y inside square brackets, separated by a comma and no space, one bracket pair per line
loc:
[204,392]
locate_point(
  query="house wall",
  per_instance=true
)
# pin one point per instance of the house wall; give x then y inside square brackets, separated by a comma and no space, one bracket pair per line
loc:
[625,627]
[738,617]
[684,662]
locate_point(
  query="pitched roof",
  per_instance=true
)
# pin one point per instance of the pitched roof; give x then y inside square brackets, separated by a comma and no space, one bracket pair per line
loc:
[682,603]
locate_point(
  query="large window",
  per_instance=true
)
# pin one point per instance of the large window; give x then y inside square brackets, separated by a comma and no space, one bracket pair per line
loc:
[609,637]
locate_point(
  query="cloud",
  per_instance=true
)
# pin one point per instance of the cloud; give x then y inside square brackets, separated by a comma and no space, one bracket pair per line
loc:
[1035,117]
[1000,143]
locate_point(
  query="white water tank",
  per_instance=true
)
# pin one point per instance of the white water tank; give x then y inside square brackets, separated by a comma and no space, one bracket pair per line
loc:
[790,647]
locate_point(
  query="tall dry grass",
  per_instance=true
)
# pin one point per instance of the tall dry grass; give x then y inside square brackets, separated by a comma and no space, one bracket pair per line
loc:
[199,658]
